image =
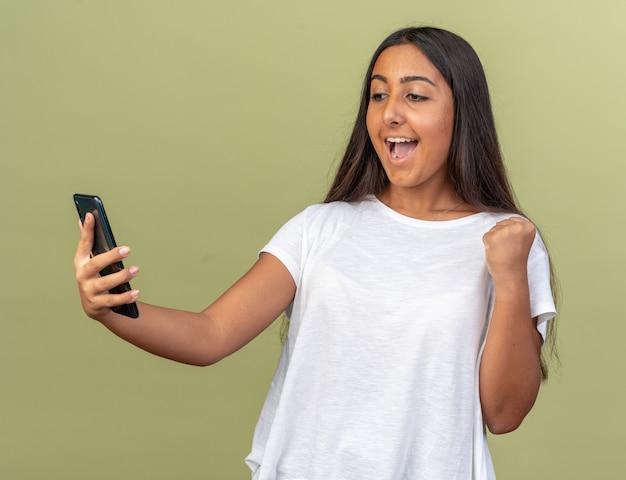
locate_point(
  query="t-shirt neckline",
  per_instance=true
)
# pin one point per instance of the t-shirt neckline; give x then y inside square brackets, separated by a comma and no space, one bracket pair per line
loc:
[417,221]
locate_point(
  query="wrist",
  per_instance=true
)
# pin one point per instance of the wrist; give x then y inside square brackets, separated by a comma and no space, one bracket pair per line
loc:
[510,285]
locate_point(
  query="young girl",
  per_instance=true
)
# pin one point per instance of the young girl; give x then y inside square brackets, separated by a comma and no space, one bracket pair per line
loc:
[418,296]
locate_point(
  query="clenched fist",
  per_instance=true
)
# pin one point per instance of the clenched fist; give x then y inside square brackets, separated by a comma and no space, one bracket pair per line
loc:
[507,246]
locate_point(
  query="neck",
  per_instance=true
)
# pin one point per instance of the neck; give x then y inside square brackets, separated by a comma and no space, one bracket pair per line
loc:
[420,204]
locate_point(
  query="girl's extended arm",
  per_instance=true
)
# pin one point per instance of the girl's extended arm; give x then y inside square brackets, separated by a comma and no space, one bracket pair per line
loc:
[202,338]
[510,369]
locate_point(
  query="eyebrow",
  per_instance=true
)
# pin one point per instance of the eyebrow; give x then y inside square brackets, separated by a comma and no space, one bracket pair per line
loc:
[411,78]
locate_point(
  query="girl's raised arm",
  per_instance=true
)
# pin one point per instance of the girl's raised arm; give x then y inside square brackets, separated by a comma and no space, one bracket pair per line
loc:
[203,338]
[510,369]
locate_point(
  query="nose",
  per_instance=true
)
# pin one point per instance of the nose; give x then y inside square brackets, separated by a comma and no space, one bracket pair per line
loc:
[393,114]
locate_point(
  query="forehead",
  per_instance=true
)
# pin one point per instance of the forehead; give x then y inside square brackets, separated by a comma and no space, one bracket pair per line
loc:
[400,61]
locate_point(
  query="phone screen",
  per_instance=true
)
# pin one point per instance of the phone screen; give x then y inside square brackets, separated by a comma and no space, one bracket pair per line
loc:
[104,241]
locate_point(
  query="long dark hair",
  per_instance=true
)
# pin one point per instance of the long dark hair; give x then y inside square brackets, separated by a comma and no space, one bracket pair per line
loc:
[475,165]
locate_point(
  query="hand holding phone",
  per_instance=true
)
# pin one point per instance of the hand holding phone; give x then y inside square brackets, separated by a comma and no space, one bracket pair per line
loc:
[103,241]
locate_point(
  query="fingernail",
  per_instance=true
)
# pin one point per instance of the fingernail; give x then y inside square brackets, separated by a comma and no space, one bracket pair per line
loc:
[134,294]
[124,251]
[133,270]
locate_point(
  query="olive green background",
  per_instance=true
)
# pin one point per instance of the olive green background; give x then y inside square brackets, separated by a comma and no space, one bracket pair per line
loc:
[204,126]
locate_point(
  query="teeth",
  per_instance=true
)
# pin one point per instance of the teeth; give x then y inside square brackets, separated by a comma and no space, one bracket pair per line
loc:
[394,140]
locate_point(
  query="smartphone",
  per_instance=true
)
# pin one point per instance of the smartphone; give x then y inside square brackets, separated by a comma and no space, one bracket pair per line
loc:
[103,241]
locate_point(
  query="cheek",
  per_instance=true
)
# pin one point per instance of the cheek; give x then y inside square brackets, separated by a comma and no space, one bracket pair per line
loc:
[446,134]
[447,126]
[373,132]
[439,130]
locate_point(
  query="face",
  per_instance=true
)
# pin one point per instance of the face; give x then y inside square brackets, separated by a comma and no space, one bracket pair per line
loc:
[410,119]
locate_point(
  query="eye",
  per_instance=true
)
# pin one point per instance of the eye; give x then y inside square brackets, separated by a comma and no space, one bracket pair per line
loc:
[414,97]
[377,97]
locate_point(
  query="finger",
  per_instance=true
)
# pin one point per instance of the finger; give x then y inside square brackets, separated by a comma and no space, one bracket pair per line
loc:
[99,262]
[85,244]
[514,220]
[108,282]
[518,226]
[97,305]
[115,300]
[96,293]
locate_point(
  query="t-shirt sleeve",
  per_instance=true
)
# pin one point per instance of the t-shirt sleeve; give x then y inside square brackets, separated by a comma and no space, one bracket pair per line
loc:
[541,300]
[287,243]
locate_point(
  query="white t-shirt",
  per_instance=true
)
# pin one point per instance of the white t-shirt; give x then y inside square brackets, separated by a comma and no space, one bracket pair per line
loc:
[378,378]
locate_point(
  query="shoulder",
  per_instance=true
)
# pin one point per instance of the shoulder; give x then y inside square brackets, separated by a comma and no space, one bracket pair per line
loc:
[333,211]
[493,218]
[319,217]
[323,221]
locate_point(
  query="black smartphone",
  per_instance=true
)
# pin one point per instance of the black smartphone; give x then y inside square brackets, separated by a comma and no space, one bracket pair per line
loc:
[103,241]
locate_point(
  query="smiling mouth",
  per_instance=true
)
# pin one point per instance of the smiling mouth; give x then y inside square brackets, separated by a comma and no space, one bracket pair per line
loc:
[400,147]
